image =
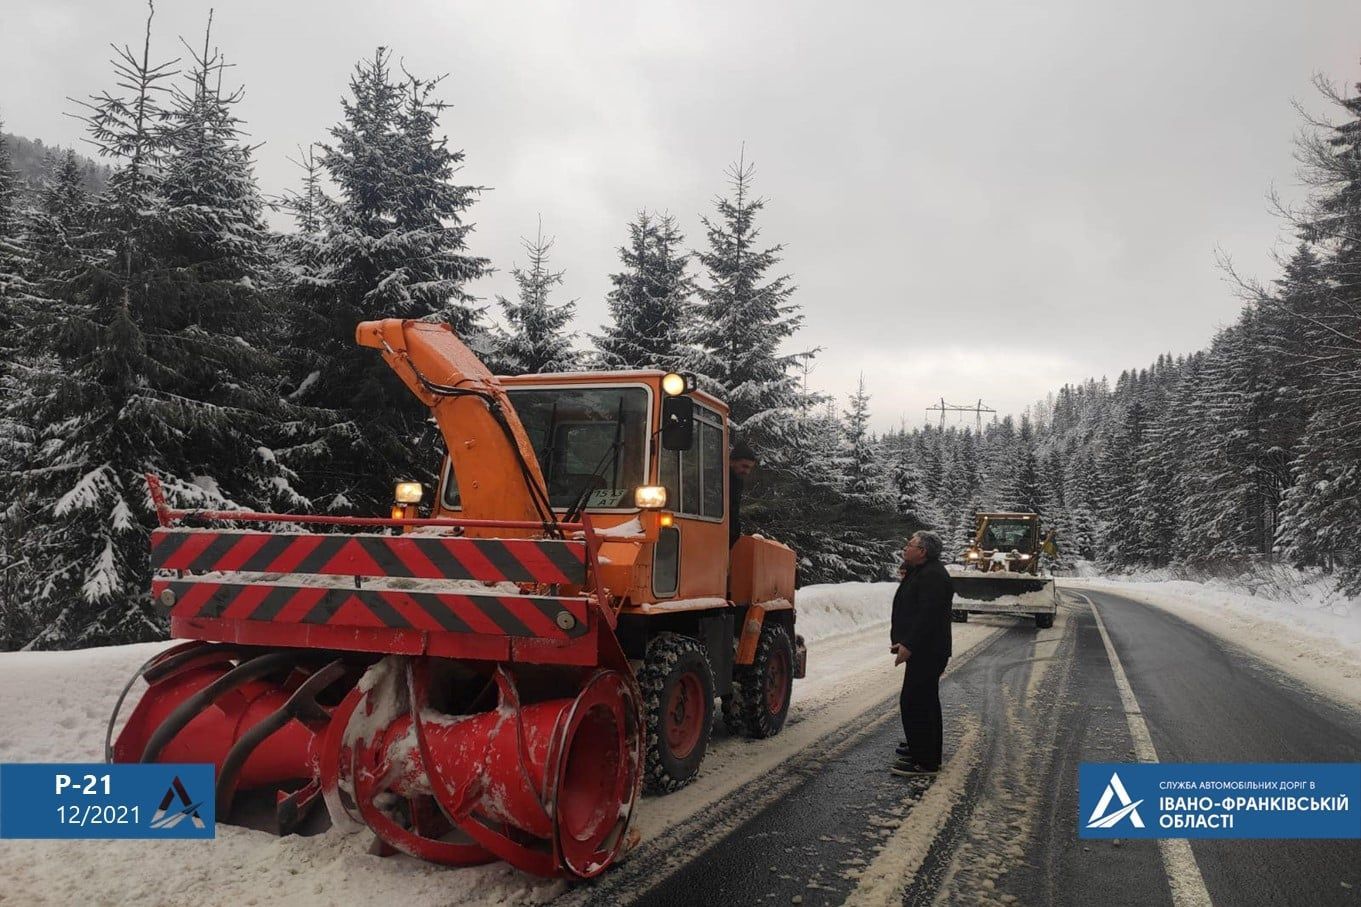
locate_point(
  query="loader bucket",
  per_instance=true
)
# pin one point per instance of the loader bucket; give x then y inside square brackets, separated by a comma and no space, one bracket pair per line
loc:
[986,587]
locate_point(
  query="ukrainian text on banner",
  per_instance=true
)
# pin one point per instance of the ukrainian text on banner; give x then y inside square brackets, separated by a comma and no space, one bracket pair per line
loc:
[106,801]
[1219,800]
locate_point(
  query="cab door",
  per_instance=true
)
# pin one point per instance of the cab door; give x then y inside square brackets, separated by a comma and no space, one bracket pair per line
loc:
[696,483]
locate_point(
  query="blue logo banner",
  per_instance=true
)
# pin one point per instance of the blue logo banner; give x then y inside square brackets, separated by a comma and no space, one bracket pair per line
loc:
[106,801]
[1219,800]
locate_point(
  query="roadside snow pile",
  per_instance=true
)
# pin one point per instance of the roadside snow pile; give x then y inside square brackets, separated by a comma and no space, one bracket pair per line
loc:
[828,611]
[1041,599]
[57,704]
[1293,620]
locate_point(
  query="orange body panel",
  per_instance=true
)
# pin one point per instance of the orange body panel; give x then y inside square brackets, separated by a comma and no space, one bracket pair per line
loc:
[703,559]
[762,571]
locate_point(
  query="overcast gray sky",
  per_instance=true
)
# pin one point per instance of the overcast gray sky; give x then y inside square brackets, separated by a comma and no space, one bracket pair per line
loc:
[977,199]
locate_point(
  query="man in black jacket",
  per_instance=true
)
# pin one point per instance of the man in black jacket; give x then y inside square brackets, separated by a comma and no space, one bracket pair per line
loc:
[920,636]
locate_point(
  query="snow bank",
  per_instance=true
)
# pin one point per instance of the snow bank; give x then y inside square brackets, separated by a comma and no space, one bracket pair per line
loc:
[57,704]
[1292,620]
[828,611]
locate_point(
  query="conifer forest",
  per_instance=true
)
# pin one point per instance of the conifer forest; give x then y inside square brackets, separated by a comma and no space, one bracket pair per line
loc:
[155,319]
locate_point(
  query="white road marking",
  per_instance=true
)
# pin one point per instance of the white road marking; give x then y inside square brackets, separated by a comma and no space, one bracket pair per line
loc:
[1183,873]
[885,880]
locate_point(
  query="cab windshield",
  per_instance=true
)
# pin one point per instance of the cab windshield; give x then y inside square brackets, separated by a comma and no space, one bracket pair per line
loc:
[591,443]
[1005,535]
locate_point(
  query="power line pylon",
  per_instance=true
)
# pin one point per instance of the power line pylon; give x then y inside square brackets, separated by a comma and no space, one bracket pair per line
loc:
[978,409]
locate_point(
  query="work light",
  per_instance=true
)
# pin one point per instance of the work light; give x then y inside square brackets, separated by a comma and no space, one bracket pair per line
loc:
[676,383]
[650,497]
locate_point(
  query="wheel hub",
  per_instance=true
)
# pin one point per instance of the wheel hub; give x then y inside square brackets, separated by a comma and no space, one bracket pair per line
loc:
[684,715]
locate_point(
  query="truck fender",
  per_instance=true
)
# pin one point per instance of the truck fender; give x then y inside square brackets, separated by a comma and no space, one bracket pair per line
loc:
[751,628]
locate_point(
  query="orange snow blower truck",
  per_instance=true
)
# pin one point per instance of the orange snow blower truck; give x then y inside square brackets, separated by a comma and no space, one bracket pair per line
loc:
[498,680]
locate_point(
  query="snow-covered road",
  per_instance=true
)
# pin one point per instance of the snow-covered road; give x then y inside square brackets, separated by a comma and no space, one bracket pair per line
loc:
[56,706]
[811,813]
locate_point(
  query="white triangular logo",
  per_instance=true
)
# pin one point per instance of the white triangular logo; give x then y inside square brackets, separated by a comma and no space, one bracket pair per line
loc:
[1115,790]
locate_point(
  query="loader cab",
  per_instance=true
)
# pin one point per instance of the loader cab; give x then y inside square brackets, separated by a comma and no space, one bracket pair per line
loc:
[1004,534]
[1005,541]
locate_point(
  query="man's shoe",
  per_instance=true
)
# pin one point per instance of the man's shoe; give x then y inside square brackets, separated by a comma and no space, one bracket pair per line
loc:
[905,769]
[903,752]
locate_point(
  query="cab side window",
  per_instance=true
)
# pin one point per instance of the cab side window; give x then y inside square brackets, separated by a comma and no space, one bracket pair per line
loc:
[694,478]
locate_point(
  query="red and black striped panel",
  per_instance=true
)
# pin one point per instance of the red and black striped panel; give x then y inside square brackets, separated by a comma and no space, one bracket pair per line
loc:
[421,557]
[537,616]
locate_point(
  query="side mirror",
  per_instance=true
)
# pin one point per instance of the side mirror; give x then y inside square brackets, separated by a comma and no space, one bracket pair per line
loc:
[678,423]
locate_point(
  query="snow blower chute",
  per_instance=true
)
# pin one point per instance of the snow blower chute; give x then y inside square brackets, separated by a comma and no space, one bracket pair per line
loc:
[455,685]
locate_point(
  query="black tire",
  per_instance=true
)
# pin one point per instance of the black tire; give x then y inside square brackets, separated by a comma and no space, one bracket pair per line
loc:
[761,691]
[676,672]
[1044,621]
[959,617]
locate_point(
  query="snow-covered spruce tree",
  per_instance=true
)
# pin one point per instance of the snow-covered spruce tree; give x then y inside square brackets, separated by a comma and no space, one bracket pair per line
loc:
[537,339]
[745,320]
[1055,510]
[160,344]
[1079,476]
[997,462]
[1158,508]
[843,543]
[393,244]
[14,249]
[300,251]
[13,289]
[57,232]
[747,317]
[79,491]
[1115,496]
[1319,524]
[905,474]
[865,479]
[957,501]
[651,306]
[1236,459]
[1023,487]
[222,328]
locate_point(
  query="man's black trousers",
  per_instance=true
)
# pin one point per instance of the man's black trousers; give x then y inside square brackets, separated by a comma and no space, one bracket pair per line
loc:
[920,706]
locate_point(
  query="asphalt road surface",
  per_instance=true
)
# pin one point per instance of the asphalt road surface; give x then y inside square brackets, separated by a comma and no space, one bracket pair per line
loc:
[999,826]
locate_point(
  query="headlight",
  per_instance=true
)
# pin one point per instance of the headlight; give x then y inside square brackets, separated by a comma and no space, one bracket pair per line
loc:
[972,555]
[408,493]
[1023,557]
[649,497]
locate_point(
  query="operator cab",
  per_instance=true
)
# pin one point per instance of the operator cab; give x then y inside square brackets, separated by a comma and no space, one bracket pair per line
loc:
[591,441]
[632,449]
[599,441]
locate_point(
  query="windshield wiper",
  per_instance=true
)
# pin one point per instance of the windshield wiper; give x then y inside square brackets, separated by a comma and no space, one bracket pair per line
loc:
[579,502]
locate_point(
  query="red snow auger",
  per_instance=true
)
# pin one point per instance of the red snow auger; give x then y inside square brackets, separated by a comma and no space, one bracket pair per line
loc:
[329,667]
